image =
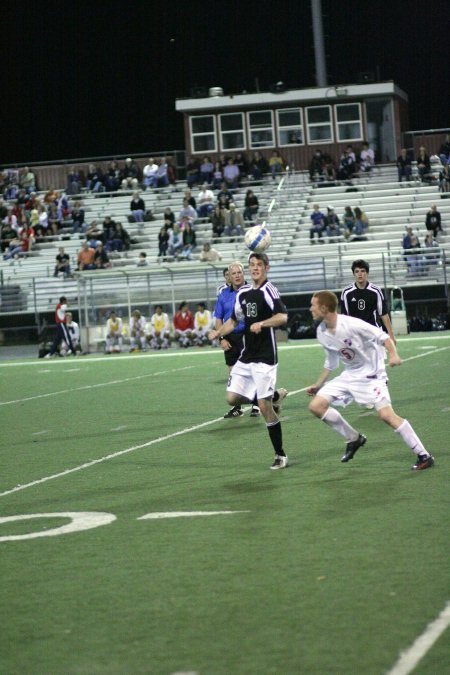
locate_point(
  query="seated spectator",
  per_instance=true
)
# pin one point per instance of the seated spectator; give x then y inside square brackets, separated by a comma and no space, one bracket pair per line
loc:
[205,201]
[366,158]
[94,234]
[360,227]
[101,258]
[209,254]
[113,177]
[231,173]
[332,225]
[404,165]
[433,253]
[163,173]
[27,180]
[119,239]
[130,175]
[73,182]
[276,163]
[347,166]
[251,205]
[51,196]
[192,172]
[142,260]
[317,225]
[224,196]
[114,333]
[54,220]
[43,224]
[444,150]
[190,198]
[175,241]
[241,162]
[433,221]
[329,168]
[202,325]
[78,223]
[189,240]
[258,166]
[63,206]
[163,242]
[150,174]
[234,222]
[94,180]
[183,323]
[11,220]
[187,211]
[171,172]
[62,264]
[8,233]
[137,331]
[348,221]
[137,208]
[316,167]
[411,247]
[217,176]
[85,258]
[159,329]
[444,178]
[206,170]
[217,219]
[169,215]
[423,165]
[15,247]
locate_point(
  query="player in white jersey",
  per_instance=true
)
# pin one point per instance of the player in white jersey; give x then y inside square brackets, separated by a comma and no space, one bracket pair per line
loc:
[114,333]
[202,325]
[159,329]
[74,331]
[355,343]
[137,331]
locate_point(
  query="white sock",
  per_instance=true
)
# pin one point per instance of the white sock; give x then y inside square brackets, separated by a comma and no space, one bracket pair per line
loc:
[411,438]
[335,420]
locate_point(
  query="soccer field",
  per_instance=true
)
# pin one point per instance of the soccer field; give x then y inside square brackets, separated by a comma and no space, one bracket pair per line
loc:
[166,544]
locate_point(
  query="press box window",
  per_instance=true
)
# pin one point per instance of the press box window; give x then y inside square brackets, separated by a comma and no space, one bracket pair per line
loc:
[232,136]
[348,122]
[203,133]
[320,129]
[290,127]
[261,129]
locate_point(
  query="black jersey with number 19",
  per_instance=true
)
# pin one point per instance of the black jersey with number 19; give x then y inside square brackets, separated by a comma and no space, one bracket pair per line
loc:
[253,305]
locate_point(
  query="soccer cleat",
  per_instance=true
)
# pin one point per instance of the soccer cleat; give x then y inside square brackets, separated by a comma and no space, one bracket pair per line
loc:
[234,412]
[423,462]
[352,447]
[282,393]
[255,411]
[280,462]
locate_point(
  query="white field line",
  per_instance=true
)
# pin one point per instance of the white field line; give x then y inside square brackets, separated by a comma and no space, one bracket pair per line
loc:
[94,386]
[183,354]
[410,658]
[119,453]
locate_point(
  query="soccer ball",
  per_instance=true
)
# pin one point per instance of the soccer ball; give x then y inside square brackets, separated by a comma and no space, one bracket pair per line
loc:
[257,238]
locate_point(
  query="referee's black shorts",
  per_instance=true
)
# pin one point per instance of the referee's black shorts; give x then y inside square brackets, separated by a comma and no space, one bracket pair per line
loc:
[236,342]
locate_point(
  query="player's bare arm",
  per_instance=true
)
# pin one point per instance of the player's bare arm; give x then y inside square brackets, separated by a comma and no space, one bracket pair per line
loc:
[388,325]
[227,327]
[394,358]
[314,388]
[275,321]
[224,344]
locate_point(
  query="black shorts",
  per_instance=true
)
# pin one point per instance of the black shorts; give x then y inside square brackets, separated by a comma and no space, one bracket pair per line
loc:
[236,342]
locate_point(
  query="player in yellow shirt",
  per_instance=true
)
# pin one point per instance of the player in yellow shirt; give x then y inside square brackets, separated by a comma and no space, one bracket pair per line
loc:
[202,325]
[159,329]
[114,331]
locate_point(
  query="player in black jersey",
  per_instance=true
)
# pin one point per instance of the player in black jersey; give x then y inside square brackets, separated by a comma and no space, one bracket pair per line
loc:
[260,307]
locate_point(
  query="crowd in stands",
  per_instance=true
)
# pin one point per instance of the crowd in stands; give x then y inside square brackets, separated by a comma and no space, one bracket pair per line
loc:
[353,226]
[323,167]
[232,171]
[155,174]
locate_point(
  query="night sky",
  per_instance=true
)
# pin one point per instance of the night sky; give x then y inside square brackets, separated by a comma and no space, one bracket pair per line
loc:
[100,77]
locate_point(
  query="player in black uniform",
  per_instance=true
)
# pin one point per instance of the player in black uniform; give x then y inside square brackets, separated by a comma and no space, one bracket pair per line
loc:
[365,300]
[260,307]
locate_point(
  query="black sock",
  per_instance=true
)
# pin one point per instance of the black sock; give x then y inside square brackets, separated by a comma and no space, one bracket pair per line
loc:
[276,437]
[255,401]
[275,396]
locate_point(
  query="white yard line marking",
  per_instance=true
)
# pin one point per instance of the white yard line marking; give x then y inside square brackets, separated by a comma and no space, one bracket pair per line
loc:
[119,453]
[408,660]
[39,433]
[94,386]
[185,514]
[121,428]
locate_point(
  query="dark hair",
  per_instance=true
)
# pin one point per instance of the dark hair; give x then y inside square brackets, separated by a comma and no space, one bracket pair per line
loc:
[158,307]
[63,299]
[201,304]
[259,256]
[182,304]
[362,264]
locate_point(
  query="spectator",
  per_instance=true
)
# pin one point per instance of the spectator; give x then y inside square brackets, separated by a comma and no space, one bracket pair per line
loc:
[73,330]
[332,225]
[94,234]
[241,162]
[206,170]
[209,254]
[137,331]
[109,229]
[217,218]
[85,258]
[411,246]
[169,215]
[121,240]
[163,242]
[43,224]
[276,163]
[423,165]
[348,221]
[217,175]
[27,180]
[63,207]
[347,166]
[258,166]
[62,264]
[16,246]
[367,158]
[114,333]
[183,323]
[444,150]
[94,182]
[205,201]
[130,175]
[231,173]
[329,168]
[8,234]
[316,167]
[192,172]
[318,225]
[73,182]
[163,173]
[101,258]
[150,174]
[137,208]
[189,240]
[444,178]
[113,177]
[433,221]
[251,205]
[202,325]
[78,218]
[175,241]
[187,211]
[404,166]
[11,220]
[51,196]
[142,260]
[159,329]
[431,247]
[361,225]
[224,196]
[54,221]
[190,198]
[234,222]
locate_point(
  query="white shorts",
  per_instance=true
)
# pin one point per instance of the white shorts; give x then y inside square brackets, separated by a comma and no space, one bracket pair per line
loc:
[347,388]
[248,379]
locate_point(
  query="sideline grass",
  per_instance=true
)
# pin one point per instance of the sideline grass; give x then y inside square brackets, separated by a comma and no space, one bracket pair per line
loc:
[334,569]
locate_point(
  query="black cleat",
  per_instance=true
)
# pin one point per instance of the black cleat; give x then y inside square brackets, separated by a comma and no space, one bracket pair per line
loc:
[234,412]
[423,462]
[352,447]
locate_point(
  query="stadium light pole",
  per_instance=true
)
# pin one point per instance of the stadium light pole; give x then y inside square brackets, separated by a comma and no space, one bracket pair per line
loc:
[319,51]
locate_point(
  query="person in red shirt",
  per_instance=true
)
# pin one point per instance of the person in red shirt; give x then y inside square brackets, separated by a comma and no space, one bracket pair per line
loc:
[61,330]
[183,323]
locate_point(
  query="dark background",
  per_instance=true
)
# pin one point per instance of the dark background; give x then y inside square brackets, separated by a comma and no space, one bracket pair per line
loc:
[100,77]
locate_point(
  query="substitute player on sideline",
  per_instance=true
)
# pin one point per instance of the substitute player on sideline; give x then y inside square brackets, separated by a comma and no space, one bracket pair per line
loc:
[255,372]
[62,334]
[364,379]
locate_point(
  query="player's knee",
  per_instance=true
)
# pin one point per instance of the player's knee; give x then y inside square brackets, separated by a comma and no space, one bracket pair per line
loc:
[232,398]
[318,407]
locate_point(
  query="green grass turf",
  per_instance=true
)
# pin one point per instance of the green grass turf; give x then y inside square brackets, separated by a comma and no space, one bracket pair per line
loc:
[331,568]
